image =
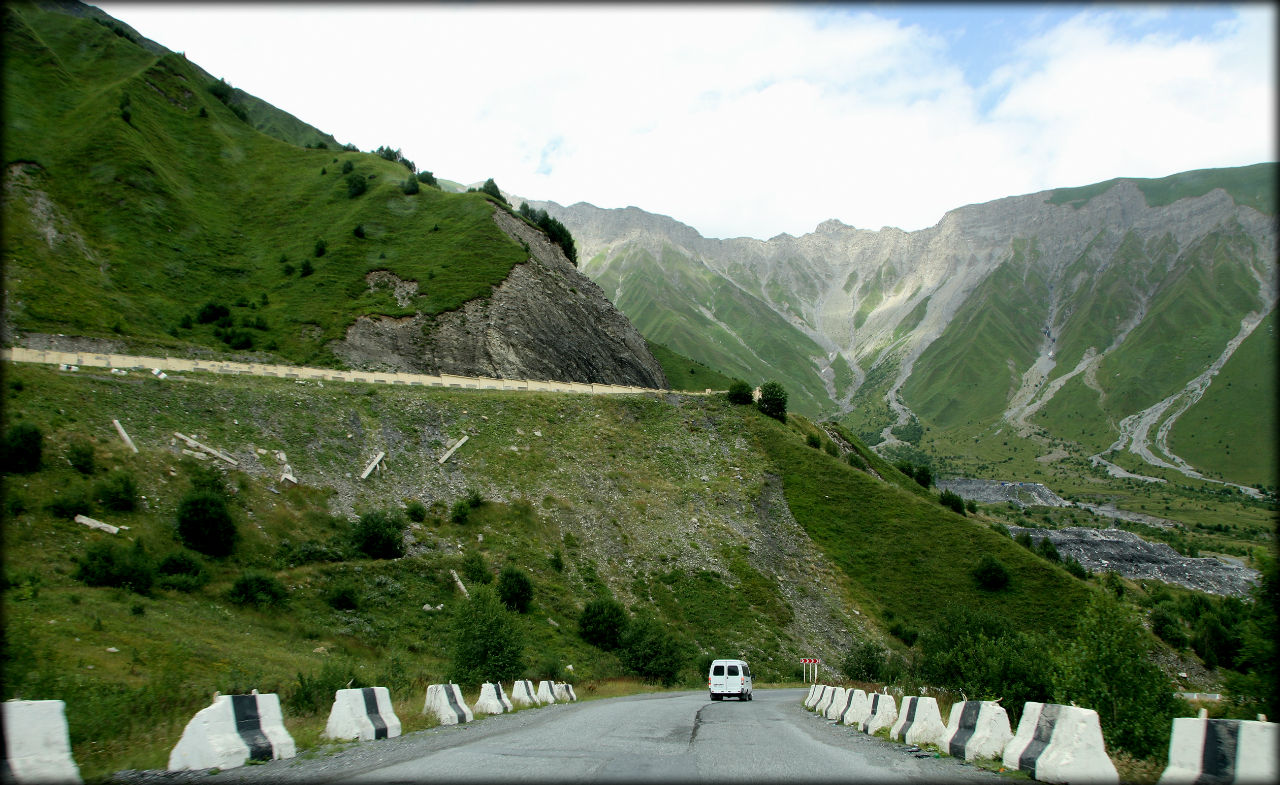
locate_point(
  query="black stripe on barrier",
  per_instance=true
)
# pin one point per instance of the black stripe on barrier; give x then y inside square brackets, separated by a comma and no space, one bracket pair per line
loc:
[875,704]
[498,696]
[453,703]
[968,725]
[249,725]
[910,716]
[375,716]
[1045,724]
[1218,761]
[847,703]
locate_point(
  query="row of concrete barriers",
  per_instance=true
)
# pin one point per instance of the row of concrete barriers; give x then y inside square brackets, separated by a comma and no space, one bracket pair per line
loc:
[237,729]
[1055,743]
[73,360]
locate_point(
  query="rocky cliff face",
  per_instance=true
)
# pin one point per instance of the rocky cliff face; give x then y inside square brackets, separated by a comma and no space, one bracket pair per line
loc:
[546,321]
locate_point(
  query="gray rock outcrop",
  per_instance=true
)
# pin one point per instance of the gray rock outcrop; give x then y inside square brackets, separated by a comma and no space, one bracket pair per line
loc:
[1127,554]
[546,321]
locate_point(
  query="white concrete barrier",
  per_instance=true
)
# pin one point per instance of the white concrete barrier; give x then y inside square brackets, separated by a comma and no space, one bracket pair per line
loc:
[808,698]
[364,714]
[523,693]
[919,722]
[234,730]
[977,729]
[492,700]
[824,703]
[841,707]
[564,692]
[837,703]
[37,746]
[546,692]
[858,709]
[445,702]
[883,713]
[1222,751]
[1057,743]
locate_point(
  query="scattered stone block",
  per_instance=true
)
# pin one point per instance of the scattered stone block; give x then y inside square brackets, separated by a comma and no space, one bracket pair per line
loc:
[373,464]
[234,730]
[123,435]
[95,524]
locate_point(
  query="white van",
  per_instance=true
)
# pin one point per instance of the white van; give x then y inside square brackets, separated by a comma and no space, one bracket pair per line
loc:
[729,677]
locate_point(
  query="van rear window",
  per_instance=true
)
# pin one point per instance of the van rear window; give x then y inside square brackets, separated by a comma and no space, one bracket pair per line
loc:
[717,670]
[733,670]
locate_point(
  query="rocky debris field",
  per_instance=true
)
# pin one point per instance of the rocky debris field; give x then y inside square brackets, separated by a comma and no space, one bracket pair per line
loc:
[1125,553]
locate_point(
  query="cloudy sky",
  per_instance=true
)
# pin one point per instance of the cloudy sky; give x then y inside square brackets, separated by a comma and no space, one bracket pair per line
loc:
[752,120]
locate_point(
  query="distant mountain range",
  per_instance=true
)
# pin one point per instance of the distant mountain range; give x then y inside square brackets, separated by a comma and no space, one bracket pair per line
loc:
[1132,313]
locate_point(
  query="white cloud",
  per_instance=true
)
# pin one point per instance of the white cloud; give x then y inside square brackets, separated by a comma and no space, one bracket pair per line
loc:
[745,120]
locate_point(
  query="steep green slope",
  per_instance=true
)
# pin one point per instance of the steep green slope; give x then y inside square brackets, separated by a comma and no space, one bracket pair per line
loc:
[678,302]
[1252,186]
[686,374]
[137,196]
[1232,429]
[966,376]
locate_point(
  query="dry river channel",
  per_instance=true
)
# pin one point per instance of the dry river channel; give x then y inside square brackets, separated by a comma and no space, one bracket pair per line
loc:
[662,737]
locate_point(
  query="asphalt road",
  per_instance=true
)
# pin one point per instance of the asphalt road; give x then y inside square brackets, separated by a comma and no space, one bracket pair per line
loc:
[673,737]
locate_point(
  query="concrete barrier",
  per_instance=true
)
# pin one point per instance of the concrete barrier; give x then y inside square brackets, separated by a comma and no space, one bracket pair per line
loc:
[546,692]
[858,709]
[564,692]
[808,698]
[492,700]
[837,703]
[234,730]
[883,713]
[523,693]
[919,722]
[364,714]
[1057,743]
[37,747]
[445,702]
[842,706]
[1222,751]
[977,729]
[824,703]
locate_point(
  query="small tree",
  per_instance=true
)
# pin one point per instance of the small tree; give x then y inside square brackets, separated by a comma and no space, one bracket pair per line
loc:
[739,393]
[651,652]
[307,268]
[773,401]
[410,186]
[205,525]
[23,448]
[864,661]
[990,574]
[109,563]
[380,534]
[952,501]
[487,645]
[427,178]
[474,568]
[602,623]
[515,589]
[356,185]
[491,188]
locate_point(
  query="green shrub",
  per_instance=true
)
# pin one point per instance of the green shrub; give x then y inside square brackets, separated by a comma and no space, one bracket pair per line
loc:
[773,401]
[557,560]
[182,571]
[487,644]
[813,441]
[739,393]
[460,511]
[313,694]
[380,534]
[416,511]
[1167,625]
[343,595]
[212,312]
[650,651]
[831,449]
[259,589]
[474,568]
[1076,568]
[80,455]
[865,661]
[23,448]
[112,563]
[602,622]
[952,501]
[427,178]
[320,248]
[473,498]
[205,525]
[307,267]
[904,632]
[410,186]
[347,166]
[356,185]
[1106,667]
[1024,539]
[308,552]
[358,231]
[1048,550]
[515,589]
[990,574]
[73,500]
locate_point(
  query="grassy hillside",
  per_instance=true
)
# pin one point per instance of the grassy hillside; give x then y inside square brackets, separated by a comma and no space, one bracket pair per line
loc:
[678,303]
[1252,186]
[686,374]
[137,192]
[679,507]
